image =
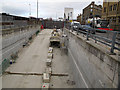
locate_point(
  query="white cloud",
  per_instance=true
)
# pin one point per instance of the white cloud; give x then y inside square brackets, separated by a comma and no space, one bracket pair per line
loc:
[47,8]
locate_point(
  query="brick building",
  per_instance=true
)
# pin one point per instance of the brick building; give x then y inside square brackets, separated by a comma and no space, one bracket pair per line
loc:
[90,11]
[79,18]
[111,12]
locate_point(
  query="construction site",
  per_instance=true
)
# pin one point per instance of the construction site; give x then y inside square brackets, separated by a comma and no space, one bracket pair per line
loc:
[50,54]
[43,65]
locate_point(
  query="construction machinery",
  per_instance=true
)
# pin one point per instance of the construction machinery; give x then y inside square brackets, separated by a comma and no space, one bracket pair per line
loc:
[55,38]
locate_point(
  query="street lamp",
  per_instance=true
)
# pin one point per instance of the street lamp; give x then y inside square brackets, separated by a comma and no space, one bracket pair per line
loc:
[37,11]
[29,9]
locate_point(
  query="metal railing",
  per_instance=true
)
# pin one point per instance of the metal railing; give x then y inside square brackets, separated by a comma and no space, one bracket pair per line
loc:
[113,41]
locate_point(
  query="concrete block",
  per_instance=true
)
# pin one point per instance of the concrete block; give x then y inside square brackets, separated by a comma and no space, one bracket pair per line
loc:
[48,70]
[50,50]
[45,86]
[50,55]
[46,78]
[48,62]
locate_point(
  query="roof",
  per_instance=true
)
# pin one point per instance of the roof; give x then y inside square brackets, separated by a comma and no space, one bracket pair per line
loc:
[15,17]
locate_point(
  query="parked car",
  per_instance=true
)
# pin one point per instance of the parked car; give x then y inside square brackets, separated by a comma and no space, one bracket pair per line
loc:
[87,27]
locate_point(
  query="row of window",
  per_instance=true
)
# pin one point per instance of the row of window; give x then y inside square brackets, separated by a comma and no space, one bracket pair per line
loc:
[114,19]
[111,8]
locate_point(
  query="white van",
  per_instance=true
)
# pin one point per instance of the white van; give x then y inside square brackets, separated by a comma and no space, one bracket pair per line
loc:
[75,25]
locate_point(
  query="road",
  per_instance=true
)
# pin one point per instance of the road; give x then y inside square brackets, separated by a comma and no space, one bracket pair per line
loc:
[32,60]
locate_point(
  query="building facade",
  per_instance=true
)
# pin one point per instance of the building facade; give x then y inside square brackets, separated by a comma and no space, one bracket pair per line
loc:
[79,18]
[68,14]
[111,12]
[92,10]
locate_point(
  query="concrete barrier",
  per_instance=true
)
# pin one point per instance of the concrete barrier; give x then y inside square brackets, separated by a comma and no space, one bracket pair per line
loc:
[12,42]
[92,66]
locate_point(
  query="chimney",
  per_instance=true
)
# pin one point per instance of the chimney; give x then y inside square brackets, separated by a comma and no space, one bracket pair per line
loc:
[92,2]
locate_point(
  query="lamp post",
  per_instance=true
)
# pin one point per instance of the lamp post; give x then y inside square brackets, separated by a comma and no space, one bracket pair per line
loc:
[93,17]
[29,12]
[117,14]
[37,11]
[29,9]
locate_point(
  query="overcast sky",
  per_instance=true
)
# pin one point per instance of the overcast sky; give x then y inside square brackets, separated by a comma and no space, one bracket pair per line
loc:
[47,8]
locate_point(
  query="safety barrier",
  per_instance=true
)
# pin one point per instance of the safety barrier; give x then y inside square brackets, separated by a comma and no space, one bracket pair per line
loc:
[113,41]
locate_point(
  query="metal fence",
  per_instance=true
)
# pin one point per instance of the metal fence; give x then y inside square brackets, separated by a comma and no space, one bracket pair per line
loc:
[109,38]
[52,24]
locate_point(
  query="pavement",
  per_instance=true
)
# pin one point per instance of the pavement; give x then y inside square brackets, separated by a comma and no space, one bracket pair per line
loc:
[32,60]
[61,65]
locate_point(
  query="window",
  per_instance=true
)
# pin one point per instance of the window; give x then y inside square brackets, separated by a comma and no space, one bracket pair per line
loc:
[71,14]
[119,19]
[91,6]
[115,7]
[104,9]
[110,8]
[90,13]
[105,0]
[114,19]
[91,10]
[68,16]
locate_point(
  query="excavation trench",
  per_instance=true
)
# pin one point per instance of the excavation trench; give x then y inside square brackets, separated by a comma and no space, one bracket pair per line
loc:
[38,74]
[29,68]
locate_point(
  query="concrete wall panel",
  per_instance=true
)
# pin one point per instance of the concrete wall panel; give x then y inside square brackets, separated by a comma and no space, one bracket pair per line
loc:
[12,43]
[92,66]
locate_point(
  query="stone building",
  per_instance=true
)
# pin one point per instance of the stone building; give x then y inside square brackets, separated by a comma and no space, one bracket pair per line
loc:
[92,10]
[68,14]
[111,12]
[79,18]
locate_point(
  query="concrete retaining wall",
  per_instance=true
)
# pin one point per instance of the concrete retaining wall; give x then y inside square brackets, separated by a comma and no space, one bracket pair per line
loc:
[13,42]
[92,66]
